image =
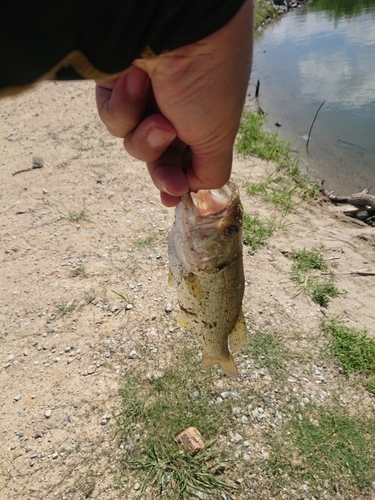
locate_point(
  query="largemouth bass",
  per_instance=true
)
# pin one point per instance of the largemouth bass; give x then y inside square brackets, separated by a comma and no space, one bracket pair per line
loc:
[205,258]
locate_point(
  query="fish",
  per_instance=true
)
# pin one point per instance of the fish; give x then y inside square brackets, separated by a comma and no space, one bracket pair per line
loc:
[206,266]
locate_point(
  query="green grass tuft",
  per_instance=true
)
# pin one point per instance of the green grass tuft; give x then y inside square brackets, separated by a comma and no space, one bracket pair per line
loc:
[370,385]
[308,260]
[267,350]
[78,271]
[262,11]
[255,140]
[157,410]
[65,307]
[256,230]
[306,274]
[285,187]
[277,191]
[181,474]
[332,446]
[145,242]
[76,216]
[354,349]
[322,293]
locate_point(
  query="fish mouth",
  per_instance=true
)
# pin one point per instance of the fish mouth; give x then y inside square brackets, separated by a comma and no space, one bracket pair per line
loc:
[214,203]
[204,244]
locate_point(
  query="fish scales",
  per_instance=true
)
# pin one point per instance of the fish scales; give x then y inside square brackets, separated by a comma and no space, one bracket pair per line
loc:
[205,256]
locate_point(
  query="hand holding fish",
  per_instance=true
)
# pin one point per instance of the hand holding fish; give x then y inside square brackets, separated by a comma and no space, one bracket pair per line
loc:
[180,111]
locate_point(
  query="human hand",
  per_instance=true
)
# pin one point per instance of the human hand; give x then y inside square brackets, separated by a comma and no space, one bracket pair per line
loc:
[179,111]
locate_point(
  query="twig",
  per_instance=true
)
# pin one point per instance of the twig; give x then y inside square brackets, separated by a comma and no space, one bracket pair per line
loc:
[308,137]
[257,88]
[5,209]
[76,357]
[23,170]
[37,163]
[351,144]
[358,273]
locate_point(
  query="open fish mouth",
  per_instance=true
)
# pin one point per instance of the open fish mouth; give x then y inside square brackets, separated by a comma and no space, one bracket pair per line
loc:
[214,202]
[210,224]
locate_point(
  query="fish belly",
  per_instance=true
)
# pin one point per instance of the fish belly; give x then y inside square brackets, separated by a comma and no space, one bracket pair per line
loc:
[212,308]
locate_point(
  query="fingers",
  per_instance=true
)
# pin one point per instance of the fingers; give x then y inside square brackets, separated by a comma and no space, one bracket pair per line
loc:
[150,139]
[155,142]
[168,200]
[209,171]
[167,173]
[121,102]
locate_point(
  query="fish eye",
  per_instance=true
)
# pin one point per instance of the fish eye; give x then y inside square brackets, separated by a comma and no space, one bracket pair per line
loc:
[231,229]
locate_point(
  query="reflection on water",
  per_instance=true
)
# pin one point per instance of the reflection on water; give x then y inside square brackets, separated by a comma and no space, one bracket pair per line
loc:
[324,52]
[338,9]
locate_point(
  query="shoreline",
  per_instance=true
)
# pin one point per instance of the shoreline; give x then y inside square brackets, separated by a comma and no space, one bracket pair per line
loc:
[267,11]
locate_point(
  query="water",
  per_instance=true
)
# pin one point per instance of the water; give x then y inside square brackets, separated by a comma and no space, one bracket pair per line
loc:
[324,51]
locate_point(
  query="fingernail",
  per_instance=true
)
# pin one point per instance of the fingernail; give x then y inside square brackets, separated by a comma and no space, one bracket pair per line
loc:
[136,80]
[159,138]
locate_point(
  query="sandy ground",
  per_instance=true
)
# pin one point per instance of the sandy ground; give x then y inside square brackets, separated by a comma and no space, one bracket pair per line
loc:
[89,224]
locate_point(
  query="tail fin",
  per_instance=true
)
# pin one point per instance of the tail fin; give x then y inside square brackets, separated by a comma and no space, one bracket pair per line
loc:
[227,364]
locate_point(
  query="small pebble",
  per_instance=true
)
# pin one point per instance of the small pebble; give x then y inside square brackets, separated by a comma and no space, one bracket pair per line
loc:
[17,398]
[48,413]
[226,395]
[91,369]
[194,395]
[236,438]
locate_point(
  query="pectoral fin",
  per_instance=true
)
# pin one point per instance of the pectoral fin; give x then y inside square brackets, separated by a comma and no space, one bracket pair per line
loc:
[182,322]
[238,337]
[193,286]
[227,364]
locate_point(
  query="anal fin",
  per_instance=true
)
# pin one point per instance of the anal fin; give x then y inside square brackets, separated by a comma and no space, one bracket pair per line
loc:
[238,336]
[227,364]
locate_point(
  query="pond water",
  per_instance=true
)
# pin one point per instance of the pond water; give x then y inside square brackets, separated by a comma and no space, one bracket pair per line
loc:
[324,51]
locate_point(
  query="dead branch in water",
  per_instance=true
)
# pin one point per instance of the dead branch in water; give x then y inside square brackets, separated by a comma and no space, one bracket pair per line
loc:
[308,136]
[362,199]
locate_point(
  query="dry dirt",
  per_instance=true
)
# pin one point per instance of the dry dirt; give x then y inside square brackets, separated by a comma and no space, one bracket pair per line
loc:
[84,228]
